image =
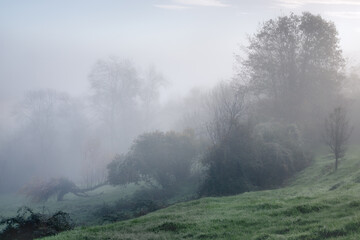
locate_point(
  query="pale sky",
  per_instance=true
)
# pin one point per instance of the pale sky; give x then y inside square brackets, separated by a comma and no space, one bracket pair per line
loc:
[54,43]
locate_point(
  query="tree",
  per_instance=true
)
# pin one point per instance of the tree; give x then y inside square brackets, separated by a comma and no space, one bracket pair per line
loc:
[163,158]
[40,191]
[150,92]
[42,113]
[253,157]
[121,96]
[337,133]
[294,65]
[225,106]
[115,85]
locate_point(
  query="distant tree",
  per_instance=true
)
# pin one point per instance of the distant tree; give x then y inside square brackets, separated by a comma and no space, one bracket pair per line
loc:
[294,65]
[116,85]
[124,99]
[151,83]
[40,110]
[93,163]
[41,191]
[337,133]
[225,106]
[41,114]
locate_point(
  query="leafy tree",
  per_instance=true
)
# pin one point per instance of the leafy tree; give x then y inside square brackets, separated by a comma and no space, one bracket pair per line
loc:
[253,157]
[337,133]
[165,158]
[294,66]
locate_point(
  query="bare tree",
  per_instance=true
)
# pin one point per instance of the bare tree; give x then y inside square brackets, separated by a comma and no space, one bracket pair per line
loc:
[337,133]
[149,94]
[225,105]
[116,86]
[41,111]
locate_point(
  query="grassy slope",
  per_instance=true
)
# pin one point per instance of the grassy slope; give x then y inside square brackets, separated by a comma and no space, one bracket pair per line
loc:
[306,209]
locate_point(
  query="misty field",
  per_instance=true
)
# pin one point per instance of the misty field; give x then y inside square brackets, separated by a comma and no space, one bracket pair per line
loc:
[179,119]
[317,204]
[82,210]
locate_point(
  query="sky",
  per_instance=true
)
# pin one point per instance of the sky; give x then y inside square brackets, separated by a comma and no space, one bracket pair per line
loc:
[54,43]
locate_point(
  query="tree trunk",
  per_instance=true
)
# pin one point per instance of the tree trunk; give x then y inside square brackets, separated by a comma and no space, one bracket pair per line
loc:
[336,163]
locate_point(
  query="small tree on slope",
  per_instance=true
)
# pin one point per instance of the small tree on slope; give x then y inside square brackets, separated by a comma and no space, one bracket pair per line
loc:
[337,133]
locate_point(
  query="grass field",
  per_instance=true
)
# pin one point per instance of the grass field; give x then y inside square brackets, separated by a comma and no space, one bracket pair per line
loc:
[317,204]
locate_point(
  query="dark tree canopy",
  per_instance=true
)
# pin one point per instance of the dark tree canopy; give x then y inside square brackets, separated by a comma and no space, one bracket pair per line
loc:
[166,158]
[253,157]
[295,64]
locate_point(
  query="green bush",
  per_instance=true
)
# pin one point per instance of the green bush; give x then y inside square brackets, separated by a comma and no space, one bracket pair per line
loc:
[253,157]
[140,203]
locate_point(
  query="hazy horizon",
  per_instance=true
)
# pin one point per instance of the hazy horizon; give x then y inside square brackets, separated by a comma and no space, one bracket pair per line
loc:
[192,43]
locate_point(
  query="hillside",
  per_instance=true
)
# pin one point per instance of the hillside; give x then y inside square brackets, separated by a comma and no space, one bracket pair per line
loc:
[317,204]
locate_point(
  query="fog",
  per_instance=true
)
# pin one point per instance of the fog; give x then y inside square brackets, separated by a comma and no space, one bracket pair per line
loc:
[80,80]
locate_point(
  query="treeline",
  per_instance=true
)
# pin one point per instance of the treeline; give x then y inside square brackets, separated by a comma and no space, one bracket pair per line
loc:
[249,133]
[259,128]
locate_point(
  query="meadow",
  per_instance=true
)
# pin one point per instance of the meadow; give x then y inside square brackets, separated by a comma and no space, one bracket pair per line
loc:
[316,204]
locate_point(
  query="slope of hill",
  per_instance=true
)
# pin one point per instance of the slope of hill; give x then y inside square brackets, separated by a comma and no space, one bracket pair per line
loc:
[318,204]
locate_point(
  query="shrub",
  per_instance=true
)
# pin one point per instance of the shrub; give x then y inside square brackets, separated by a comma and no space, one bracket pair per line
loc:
[253,157]
[140,203]
[27,225]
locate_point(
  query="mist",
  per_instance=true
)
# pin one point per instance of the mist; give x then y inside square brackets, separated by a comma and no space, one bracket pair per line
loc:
[170,95]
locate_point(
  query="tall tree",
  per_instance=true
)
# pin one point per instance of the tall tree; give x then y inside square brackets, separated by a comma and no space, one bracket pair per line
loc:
[295,66]
[116,85]
[337,133]
[225,106]
[40,112]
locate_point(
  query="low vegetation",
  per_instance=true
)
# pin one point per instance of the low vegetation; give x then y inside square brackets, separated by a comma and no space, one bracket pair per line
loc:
[308,208]
[247,137]
[29,225]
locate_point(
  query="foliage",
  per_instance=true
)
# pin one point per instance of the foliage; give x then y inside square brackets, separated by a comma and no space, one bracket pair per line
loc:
[140,203]
[28,225]
[304,209]
[253,157]
[165,158]
[294,65]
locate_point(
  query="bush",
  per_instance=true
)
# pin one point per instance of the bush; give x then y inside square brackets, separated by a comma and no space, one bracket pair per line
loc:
[141,203]
[28,225]
[253,157]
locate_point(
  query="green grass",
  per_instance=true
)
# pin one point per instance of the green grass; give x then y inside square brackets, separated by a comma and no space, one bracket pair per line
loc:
[317,204]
